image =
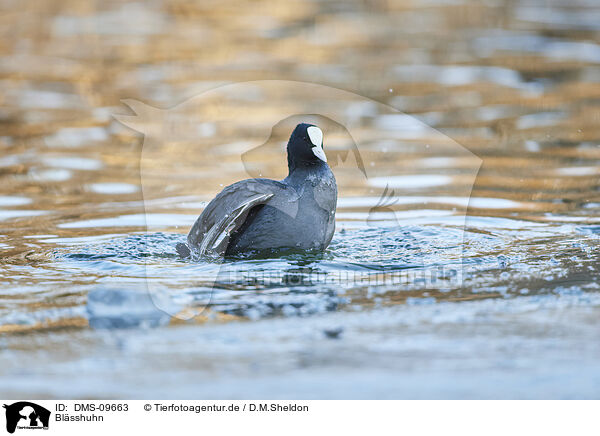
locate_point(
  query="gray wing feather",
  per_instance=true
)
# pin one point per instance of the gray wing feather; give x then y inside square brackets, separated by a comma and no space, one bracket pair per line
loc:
[227,212]
[227,225]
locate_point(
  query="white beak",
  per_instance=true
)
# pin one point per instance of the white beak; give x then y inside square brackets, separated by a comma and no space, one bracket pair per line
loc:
[318,151]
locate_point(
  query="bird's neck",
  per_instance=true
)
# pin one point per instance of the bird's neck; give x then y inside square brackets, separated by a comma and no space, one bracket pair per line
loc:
[298,171]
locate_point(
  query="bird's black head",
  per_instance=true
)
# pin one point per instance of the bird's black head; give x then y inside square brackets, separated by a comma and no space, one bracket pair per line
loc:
[305,146]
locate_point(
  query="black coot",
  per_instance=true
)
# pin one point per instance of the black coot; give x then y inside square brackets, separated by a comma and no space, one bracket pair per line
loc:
[263,216]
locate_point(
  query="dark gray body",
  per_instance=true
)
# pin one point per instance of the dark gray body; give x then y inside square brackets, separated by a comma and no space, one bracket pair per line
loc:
[301,216]
[262,215]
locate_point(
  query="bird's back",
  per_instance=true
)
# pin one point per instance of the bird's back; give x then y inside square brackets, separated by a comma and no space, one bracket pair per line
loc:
[302,217]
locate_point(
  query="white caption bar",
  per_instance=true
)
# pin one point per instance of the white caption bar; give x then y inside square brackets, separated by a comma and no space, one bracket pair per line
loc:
[23,417]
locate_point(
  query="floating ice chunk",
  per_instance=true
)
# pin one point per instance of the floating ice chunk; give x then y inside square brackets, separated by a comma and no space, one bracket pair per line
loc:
[110,308]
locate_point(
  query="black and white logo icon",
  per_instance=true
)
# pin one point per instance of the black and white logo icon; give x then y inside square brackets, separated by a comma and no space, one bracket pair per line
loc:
[26,415]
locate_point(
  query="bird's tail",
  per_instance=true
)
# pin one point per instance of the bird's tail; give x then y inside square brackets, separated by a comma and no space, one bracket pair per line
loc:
[183,250]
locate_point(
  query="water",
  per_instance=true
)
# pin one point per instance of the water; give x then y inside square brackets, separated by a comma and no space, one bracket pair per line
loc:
[411,299]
